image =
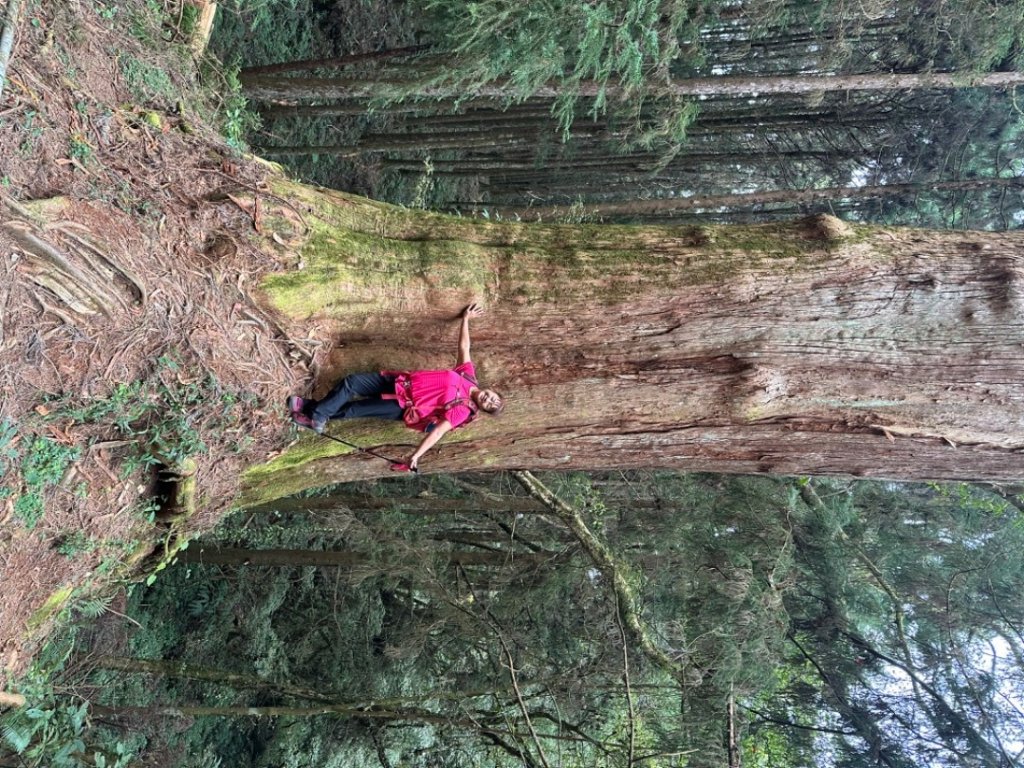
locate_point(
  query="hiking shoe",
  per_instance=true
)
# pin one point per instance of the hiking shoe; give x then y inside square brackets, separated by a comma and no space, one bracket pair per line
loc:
[295,410]
[304,421]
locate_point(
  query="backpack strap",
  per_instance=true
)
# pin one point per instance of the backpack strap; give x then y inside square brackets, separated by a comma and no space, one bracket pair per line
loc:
[467,400]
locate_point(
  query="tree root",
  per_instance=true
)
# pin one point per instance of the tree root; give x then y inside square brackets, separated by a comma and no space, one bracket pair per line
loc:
[49,268]
[87,245]
[64,259]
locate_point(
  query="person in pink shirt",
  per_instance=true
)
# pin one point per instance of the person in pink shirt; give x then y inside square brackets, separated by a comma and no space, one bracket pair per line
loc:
[433,402]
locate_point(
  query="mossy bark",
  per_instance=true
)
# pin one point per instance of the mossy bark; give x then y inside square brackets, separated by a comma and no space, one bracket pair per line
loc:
[814,347]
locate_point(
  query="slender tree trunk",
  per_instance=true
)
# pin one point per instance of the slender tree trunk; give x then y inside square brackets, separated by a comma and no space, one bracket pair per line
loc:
[337,61]
[10,26]
[184,670]
[413,505]
[748,199]
[393,143]
[284,558]
[270,87]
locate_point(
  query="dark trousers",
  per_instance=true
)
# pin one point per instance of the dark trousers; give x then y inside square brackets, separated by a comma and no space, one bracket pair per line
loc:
[368,387]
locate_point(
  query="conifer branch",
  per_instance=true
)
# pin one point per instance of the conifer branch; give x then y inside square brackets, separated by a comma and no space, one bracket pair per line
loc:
[614,571]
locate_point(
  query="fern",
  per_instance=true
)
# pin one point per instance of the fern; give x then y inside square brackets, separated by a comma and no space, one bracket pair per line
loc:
[200,602]
[94,607]
[17,738]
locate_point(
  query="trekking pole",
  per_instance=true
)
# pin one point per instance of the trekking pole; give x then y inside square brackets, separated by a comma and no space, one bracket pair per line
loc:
[396,466]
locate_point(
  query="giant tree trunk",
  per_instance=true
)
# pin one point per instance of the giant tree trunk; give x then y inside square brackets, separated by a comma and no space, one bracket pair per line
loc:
[808,348]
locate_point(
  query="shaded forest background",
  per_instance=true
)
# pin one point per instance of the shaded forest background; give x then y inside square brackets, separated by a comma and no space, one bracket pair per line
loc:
[644,618]
[460,621]
[425,113]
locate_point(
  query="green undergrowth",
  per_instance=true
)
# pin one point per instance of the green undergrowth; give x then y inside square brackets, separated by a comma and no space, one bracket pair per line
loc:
[165,417]
[54,727]
[41,464]
[161,421]
[162,77]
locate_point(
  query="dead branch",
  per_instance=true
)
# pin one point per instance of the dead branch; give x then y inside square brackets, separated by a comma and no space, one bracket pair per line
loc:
[631,712]
[614,572]
[519,699]
[8,699]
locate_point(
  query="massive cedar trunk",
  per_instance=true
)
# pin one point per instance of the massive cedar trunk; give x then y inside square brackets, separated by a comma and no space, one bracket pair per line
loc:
[808,348]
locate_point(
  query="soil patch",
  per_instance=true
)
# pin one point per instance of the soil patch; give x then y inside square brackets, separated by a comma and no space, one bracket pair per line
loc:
[90,117]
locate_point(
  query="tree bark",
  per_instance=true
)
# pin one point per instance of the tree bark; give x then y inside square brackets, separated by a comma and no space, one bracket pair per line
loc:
[282,558]
[810,348]
[273,87]
[7,39]
[336,61]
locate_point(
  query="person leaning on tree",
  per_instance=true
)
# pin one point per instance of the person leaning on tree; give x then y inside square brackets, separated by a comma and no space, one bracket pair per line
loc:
[433,402]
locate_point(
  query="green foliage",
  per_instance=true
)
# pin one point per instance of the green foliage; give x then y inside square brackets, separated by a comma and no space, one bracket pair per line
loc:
[149,83]
[8,453]
[778,593]
[189,19]
[76,543]
[238,119]
[93,607]
[53,730]
[533,44]
[30,129]
[975,35]
[80,149]
[44,465]
[167,414]
[54,734]
[424,186]
[267,31]
[106,10]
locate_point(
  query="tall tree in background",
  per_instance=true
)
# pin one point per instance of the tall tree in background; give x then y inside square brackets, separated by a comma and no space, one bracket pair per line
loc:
[905,625]
[612,73]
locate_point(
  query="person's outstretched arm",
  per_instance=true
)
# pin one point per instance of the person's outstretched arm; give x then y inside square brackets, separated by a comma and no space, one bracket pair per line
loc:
[473,310]
[430,440]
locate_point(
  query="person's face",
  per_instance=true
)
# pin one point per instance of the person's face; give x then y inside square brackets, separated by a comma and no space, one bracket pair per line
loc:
[488,399]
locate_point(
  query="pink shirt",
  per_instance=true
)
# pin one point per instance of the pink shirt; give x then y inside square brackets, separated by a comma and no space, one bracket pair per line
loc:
[433,390]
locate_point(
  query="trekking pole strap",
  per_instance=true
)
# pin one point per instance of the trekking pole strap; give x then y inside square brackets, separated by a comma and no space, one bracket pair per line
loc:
[397,466]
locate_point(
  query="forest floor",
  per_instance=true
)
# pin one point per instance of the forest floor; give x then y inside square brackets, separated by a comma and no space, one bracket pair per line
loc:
[92,114]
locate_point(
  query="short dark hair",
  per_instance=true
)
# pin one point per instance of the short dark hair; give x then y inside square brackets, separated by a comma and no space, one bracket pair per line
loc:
[498,408]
